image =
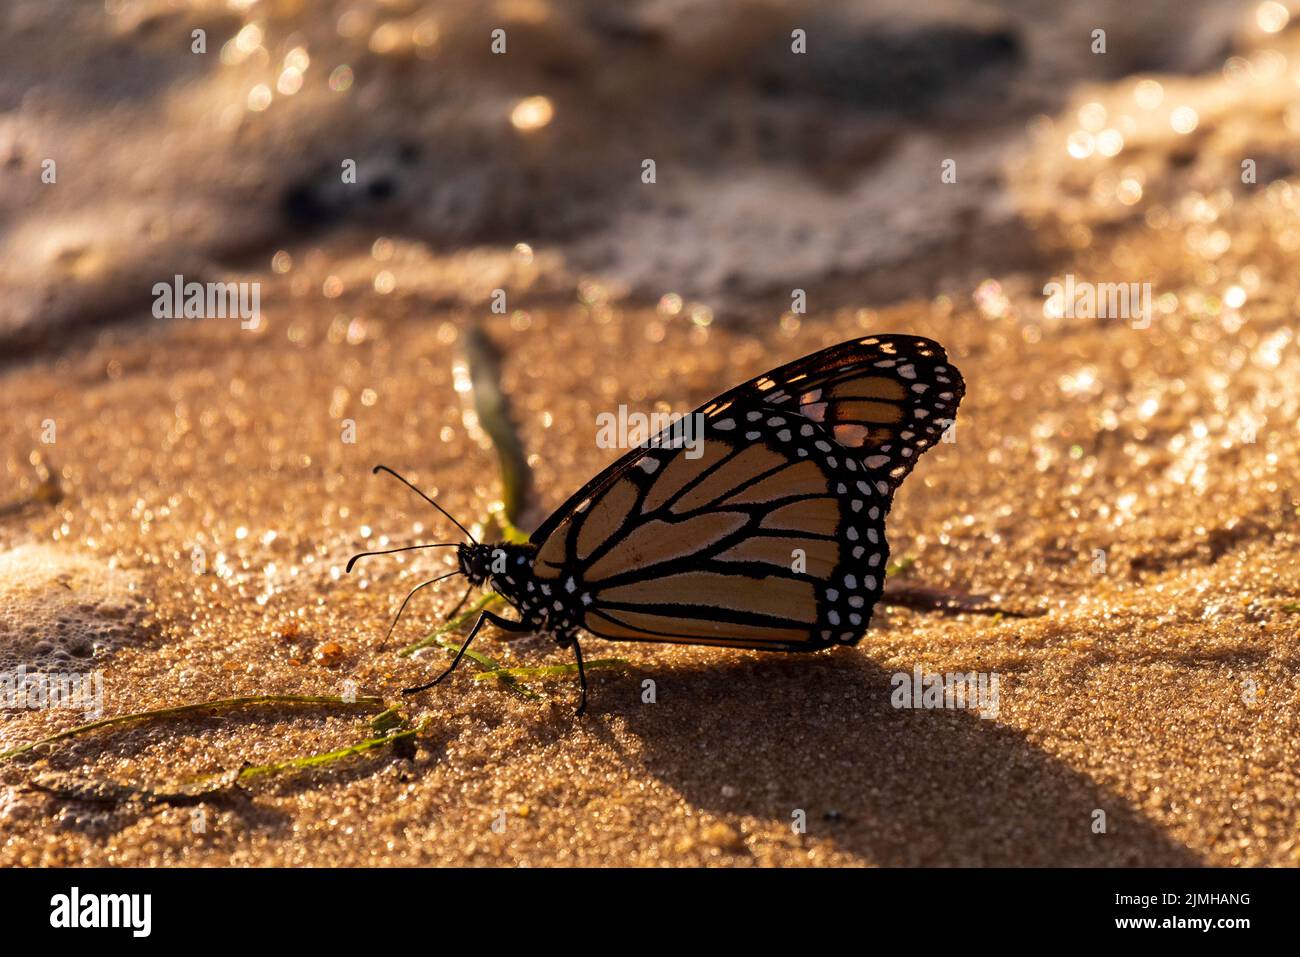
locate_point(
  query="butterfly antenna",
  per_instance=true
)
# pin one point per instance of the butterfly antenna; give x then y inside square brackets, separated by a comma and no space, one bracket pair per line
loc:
[409,548]
[384,468]
[407,599]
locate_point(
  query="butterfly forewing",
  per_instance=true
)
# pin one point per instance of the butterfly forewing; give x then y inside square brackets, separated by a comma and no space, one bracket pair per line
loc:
[888,397]
[769,534]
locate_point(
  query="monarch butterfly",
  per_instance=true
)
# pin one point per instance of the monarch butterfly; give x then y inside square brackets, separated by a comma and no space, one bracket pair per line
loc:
[772,537]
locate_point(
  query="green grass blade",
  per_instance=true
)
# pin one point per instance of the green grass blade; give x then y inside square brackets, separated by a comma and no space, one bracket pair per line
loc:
[483,602]
[370,704]
[492,667]
[328,757]
[900,567]
[493,408]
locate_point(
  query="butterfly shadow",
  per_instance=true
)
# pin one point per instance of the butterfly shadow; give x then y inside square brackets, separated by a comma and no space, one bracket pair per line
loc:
[772,737]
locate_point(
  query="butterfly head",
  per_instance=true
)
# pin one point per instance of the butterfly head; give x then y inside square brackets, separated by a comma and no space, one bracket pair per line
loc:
[475,562]
[504,566]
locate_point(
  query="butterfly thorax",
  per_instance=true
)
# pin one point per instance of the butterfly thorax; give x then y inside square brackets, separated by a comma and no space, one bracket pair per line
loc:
[508,570]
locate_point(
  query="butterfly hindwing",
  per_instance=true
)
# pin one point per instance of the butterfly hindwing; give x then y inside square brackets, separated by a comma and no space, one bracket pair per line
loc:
[771,538]
[770,532]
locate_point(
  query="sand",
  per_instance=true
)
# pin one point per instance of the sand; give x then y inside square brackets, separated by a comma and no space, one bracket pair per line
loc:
[1135,485]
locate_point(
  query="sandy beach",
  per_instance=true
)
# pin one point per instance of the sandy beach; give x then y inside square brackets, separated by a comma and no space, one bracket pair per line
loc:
[1126,484]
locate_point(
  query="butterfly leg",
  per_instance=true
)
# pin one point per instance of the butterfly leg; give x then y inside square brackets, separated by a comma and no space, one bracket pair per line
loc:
[503,623]
[460,604]
[582,678]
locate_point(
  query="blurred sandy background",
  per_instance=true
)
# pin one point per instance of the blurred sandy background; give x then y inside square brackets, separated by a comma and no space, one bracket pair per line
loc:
[1160,685]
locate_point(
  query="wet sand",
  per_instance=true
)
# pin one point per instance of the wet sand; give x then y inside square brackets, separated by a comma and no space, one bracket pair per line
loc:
[1137,485]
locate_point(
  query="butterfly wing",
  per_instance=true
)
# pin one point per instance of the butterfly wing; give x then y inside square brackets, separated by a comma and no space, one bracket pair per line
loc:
[769,533]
